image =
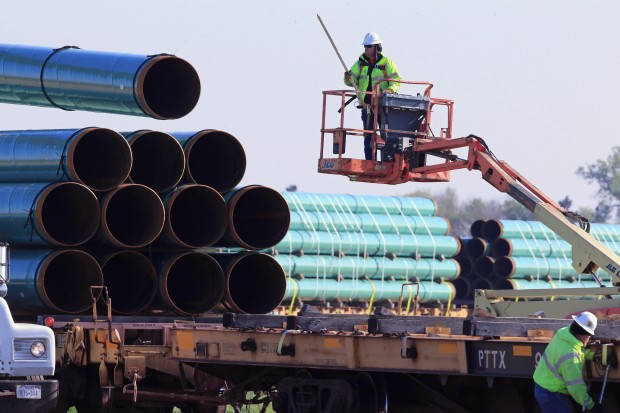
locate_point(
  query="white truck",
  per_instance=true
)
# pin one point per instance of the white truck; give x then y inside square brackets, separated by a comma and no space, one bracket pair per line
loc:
[27,355]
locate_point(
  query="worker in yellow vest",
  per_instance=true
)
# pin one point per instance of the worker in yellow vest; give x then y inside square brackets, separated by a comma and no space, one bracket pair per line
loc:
[371,68]
[559,374]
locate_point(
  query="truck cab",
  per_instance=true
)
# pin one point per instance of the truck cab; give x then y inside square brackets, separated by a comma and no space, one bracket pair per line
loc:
[27,354]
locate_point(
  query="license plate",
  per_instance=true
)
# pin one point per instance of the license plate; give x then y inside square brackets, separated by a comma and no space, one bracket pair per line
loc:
[28,391]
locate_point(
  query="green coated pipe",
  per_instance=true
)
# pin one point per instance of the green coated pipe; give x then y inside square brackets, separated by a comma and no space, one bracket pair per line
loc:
[365,290]
[320,242]
[368,223]
[313,266]
[358,204]
[519,247]
[517,267]
[511,284]
[495,228]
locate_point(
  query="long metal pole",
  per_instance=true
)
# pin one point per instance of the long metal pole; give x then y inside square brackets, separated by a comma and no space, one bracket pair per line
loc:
[332,42]
[357,92]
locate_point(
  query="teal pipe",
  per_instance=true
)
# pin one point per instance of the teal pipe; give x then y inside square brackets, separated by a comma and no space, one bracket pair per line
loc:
[368,223]
[365,290]
[316,266]
[519,247]
[518,267]
[495,228]
[96,157]
[511,284]
[605,232]
[358,204]
[368,244]
[160,86]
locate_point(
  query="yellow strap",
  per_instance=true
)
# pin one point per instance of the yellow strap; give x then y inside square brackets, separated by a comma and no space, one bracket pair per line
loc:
[449,303]
[295,291]
[372,296]
[410,298]
[552,286]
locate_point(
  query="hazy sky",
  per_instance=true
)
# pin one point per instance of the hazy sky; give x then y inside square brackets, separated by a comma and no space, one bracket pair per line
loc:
[538,80]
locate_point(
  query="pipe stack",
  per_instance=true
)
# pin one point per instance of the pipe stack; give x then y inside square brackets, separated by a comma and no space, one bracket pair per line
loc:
[513,254]
[364,249]
[137,212]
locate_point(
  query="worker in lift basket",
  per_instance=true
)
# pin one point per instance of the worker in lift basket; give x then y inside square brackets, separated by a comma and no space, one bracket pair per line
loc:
[371,67]
[559,374]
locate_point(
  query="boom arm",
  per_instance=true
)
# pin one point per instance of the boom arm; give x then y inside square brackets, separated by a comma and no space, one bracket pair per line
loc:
[588,253]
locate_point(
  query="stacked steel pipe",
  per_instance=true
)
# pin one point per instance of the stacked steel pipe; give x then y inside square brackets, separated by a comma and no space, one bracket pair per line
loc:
[366,249]
[140,213]
[512,254]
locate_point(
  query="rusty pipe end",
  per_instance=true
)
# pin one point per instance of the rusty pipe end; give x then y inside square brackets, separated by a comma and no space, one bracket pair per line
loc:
[167,87]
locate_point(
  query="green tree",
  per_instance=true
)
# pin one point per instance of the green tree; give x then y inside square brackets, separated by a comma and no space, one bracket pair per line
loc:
[606,174]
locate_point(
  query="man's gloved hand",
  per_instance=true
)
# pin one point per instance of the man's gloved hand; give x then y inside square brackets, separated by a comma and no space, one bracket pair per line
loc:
[348,76]
[388,90]
[598,408]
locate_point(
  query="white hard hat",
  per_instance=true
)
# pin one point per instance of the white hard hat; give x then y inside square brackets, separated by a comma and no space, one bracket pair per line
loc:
[371,38]
[587,321]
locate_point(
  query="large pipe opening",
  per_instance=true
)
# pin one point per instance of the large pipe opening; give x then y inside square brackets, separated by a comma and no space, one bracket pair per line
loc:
[492,229]
[255,282]
[501,247]
[196,216]
[259,217]
[484,266]
[216,159]
[67,214]
[191,283]
[168,87]
[65,279]
[99,158]
[132,216]
[504,267]
[158,160]
[131,280]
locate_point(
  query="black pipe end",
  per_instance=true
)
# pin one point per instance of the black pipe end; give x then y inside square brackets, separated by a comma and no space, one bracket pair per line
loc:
[492,229]
[215,158]
[256,284]
[260,217]
[197,216]
[169,88]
